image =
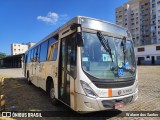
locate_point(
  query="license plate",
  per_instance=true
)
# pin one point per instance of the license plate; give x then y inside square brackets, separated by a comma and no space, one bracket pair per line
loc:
[119,105]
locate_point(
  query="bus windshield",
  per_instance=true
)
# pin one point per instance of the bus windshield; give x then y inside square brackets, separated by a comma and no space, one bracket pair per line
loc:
[99,63]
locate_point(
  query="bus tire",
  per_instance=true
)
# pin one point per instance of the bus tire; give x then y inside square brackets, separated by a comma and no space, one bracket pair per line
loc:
[28,80]
[52,95]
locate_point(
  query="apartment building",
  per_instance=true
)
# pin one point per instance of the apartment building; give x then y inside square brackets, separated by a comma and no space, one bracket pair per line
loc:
[20,48]
[128,16]
[142,18]
[157,4]
[145,28]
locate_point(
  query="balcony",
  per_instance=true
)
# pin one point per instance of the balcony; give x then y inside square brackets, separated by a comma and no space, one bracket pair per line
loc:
[154,36]
[153,23]
[158,7]
[153,29]
[120,20]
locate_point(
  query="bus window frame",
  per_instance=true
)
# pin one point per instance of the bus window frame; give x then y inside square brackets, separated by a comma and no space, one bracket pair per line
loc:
[41,51]
[50,55]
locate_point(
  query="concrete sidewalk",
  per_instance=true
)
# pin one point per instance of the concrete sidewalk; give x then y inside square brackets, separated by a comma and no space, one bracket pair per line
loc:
[12,72]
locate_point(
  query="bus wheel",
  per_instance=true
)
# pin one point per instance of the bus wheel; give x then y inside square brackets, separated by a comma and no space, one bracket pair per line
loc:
[52,95]
[28,80]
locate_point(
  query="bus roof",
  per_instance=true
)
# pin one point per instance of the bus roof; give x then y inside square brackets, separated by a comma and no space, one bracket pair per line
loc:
[74,20]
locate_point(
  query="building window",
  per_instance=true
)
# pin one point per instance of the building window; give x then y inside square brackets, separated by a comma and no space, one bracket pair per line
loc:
[158,57]
[153,5]
[140,49]
[146,3]
[142,6]
[148,57]
[157,47]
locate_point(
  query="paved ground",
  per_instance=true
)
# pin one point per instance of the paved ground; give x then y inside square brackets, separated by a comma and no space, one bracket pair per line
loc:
[149,92]
[22,97]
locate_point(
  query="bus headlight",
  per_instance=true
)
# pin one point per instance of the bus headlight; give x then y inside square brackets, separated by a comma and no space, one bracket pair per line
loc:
[87,89]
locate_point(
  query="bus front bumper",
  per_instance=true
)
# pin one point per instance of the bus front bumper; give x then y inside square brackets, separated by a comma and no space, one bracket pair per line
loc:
[88,104]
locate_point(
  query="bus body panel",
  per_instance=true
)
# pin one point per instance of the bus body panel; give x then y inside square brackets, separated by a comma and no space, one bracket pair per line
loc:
[88,104]
[116,92]
[72,93]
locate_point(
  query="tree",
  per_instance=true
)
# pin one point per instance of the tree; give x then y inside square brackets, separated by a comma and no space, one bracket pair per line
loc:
[2,55]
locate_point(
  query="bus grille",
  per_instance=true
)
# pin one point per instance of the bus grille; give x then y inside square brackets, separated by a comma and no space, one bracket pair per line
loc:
[115,84]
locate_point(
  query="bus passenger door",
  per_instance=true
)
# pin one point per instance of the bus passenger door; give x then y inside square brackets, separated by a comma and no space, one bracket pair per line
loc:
[67,69]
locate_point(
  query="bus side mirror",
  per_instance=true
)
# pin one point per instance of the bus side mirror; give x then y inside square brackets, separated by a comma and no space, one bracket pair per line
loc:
[79,39]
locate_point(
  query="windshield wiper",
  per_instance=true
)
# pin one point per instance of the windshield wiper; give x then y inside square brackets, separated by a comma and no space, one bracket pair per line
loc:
[124,48]
[104,43]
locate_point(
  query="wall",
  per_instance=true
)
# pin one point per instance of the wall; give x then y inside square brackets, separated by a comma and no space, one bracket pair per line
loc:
[149,55]
[14,61]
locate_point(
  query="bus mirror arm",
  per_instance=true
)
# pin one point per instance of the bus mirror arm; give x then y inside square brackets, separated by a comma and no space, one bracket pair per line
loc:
[79,39]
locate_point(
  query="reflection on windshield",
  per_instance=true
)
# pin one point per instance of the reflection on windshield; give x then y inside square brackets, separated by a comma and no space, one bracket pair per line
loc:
[97,61]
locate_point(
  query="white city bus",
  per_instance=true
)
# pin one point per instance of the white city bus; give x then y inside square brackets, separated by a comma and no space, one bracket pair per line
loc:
[87,64]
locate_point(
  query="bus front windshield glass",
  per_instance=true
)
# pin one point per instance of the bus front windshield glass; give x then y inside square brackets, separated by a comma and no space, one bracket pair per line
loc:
[98,62]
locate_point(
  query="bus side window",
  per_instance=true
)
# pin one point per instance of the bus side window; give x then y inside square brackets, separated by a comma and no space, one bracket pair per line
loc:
[43,52]
[51,41]
[29,56]
[55,50]
[32,55]
[52,52]
[38,53]
[35,54]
